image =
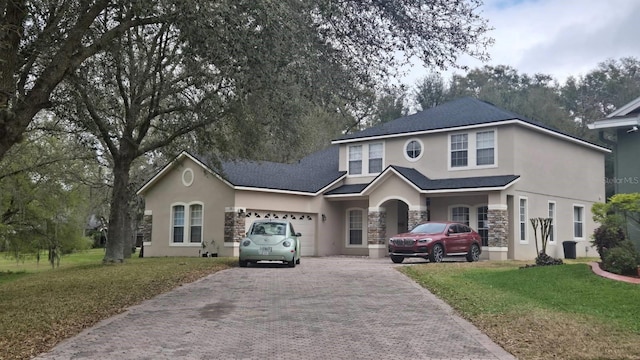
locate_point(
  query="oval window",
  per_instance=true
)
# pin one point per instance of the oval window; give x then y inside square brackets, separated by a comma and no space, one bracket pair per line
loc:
[187,177]
[413,149]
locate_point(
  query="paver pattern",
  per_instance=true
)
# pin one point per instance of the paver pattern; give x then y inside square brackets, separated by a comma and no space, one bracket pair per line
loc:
[325,308]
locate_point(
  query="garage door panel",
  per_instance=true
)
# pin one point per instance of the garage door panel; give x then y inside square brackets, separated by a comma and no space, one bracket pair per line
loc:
[303,223]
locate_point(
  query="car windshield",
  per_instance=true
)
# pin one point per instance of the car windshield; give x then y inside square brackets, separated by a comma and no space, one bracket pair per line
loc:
[429,228]
[268,228]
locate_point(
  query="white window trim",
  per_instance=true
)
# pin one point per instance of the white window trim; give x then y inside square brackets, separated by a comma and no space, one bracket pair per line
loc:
[573,223]
[187,225]
[381,157]
[554,233]
[404,150]
[365,159]
[472,150]
[476,226]
[184,173]
[365,226]
[526,220]
[469,207]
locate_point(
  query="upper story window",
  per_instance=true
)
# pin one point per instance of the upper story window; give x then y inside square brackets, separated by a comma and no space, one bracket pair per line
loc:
[355,159]
[484,148]
[459,150]
[473,149]
[365,159]
[375,158]
[413,150]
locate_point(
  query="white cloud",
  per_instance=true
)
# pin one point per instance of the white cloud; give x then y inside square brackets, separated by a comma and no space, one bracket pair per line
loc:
[556,37]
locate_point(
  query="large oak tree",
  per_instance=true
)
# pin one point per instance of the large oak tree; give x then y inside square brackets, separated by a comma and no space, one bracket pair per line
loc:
[138,75]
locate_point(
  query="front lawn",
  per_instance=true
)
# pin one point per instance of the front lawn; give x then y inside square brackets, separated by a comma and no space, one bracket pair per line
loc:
[40,306]
[559,312]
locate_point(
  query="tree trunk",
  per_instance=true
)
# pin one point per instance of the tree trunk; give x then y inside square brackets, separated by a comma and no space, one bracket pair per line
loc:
[119,219]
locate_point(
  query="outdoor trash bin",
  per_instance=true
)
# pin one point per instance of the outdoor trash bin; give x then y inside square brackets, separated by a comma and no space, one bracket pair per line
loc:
[569,249]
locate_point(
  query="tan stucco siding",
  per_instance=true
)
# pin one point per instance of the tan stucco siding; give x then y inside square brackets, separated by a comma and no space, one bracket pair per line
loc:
[206,189]
[434,160]
[552,166]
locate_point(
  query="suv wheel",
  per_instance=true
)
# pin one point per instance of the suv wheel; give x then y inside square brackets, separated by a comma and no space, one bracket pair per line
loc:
[474,253]
[437,253]
[397,259]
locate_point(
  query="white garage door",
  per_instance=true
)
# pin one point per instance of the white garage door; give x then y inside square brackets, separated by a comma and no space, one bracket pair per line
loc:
[302,223]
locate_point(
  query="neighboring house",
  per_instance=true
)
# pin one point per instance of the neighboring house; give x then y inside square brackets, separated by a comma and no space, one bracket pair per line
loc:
[465,160]
[624,124]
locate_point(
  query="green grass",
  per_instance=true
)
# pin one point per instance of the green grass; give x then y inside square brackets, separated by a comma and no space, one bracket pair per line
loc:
[41,306]
[541,312]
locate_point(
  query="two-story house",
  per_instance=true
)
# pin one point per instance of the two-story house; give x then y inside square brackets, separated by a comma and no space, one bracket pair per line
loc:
[465,160]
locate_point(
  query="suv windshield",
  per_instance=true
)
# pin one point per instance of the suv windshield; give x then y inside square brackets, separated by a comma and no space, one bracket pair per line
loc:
[429,228]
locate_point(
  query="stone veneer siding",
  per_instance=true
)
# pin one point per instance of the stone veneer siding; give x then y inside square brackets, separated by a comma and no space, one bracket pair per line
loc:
[498,228]
[234,226]
[147,222]
[416,217]
[376,227]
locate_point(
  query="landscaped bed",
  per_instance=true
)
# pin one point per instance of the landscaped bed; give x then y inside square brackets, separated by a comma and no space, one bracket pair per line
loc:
[560,312]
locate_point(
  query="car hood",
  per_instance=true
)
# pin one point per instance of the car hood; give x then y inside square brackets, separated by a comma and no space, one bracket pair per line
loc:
[410,235]
[267,239]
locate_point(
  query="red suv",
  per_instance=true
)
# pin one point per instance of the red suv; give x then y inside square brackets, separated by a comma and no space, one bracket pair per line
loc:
[435,240]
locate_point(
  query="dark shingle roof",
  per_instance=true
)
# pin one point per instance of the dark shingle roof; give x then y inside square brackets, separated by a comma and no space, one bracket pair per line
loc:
[457,113]
[424,183]
[310,174]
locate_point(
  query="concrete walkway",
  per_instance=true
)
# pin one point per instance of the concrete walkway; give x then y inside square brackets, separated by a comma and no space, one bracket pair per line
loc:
[325,308]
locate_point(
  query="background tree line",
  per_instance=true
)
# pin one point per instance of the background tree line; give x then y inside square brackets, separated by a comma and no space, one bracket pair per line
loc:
[96,95]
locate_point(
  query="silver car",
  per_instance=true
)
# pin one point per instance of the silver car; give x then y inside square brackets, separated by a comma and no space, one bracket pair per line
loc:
[270,240]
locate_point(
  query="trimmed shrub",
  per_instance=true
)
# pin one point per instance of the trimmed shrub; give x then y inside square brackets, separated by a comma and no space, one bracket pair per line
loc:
[622,259]
[543,259]
[608,236]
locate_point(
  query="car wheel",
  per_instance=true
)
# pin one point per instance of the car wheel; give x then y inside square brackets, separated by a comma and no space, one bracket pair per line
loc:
[397,259]
[292,263]
[298,261]
[243,263]
[474,253]
[437,253]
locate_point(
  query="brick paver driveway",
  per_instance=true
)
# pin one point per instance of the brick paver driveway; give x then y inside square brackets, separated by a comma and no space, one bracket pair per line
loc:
[326,308]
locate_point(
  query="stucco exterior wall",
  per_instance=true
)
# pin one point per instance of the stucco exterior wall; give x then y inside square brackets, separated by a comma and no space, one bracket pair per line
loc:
[207,189]
[434,161]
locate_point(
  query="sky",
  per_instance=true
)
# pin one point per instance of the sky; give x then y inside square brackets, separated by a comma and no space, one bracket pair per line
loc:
[555,37]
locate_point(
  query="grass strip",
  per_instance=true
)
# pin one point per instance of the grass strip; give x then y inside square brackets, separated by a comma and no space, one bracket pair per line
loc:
[562,312]
[38,310]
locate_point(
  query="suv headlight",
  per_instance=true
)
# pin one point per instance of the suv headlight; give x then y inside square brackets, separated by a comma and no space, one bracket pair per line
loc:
[425,241]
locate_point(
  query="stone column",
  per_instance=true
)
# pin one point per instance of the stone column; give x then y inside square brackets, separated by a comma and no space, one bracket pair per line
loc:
[377,232]
[498,221]
[147,222]
[417,215]
[234,229]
